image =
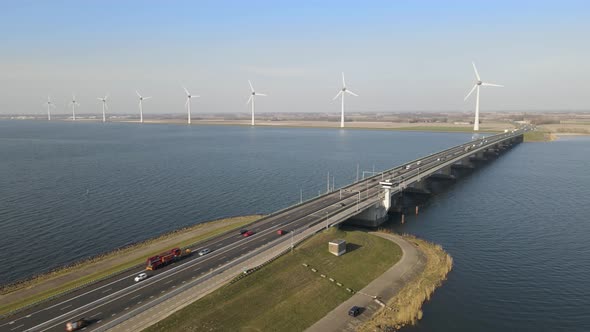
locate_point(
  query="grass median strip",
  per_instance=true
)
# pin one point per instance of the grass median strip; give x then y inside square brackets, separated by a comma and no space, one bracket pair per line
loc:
[74,276]
[285,295]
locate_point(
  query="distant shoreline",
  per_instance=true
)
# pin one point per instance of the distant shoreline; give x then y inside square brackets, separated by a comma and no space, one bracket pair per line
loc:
[491,127]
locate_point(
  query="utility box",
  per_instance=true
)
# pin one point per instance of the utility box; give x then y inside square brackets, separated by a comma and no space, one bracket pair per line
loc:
[337,247]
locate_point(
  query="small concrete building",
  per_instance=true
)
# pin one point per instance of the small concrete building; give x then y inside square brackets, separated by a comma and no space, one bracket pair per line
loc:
[337,247]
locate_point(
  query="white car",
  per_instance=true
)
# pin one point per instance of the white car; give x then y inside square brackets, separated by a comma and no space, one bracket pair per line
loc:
[204,252]
[140,277]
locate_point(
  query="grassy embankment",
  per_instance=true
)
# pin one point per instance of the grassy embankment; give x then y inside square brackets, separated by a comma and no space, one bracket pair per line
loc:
[447,129]
[73,276]
[285,295]
[405,307]
[538,136]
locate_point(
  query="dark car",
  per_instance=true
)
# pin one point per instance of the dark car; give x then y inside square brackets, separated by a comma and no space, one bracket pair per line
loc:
[242,231]
[77,325]
[354,311]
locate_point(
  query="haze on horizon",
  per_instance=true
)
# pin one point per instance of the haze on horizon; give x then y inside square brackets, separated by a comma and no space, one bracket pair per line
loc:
[397,55]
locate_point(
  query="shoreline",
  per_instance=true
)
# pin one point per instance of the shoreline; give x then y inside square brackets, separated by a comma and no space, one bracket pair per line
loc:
[64,279]
[497,127]
[405,307]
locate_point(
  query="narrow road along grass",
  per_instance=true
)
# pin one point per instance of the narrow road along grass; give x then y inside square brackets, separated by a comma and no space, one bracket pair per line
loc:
[285,295]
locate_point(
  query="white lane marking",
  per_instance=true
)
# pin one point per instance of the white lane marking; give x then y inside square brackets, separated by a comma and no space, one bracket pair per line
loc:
[96,314]
[218,245]
[10,323]
[29,315]
[169,281]
[222,257]
[197,269]
[69,305]
[136,296]
[127,308]
[113,315]
[106,290]
[99,321]
[18,327]
[73,298]
[171,272]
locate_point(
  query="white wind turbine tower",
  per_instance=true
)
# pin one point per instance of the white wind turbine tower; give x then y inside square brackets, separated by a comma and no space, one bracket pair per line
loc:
[341,93]
[104,106]
[74,104]
[251,99]
[49,106]
[478,83]
[188,103]
[141,99]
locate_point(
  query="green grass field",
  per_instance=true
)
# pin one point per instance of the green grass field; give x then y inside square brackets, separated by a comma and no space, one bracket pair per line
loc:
[447,129]
[537,136]
[285,295]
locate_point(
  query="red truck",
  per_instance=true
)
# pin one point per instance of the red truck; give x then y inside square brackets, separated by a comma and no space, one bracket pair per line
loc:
[165,258]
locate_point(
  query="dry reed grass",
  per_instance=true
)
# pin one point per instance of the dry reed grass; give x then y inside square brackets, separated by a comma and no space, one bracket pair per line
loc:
[405,308]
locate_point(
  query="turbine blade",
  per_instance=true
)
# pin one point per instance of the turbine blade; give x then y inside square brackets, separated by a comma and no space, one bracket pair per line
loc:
[101,99]
[475,69]
[343,82]
[138,93]
[260,94]
[185,90]
[491,84]
[338,94]
[106,97]
[251,87]
[144,98]
[470,92]
[352,93]
[249,99]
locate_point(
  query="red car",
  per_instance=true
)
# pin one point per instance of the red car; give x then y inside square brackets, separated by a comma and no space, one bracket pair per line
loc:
[281,232]
[248,233]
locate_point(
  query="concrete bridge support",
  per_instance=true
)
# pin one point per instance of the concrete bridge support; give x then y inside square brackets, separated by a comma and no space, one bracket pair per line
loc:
[377,213]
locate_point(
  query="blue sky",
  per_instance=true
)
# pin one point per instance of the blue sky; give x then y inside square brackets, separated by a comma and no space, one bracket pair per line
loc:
[397,55]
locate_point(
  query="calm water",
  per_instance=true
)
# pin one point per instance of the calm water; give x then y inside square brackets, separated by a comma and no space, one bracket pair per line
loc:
[517,228]
[72,190]
[519,233]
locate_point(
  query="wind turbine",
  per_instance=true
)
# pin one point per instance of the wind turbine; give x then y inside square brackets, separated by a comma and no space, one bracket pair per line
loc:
[478,84]
[141,99]
[188,103]
[74,104]
[251,99]
[49,106]
[341,93]
[104,106]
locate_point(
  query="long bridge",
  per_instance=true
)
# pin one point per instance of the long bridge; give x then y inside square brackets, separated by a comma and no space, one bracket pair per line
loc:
[117,299]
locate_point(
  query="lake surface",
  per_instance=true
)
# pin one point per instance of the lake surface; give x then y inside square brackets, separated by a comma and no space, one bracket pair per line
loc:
[519,233]
[517,228]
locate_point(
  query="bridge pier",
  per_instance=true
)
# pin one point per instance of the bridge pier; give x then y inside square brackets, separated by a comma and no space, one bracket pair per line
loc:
[377,213]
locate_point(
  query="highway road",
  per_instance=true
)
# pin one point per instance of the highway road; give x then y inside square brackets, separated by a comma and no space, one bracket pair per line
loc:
[106,300]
